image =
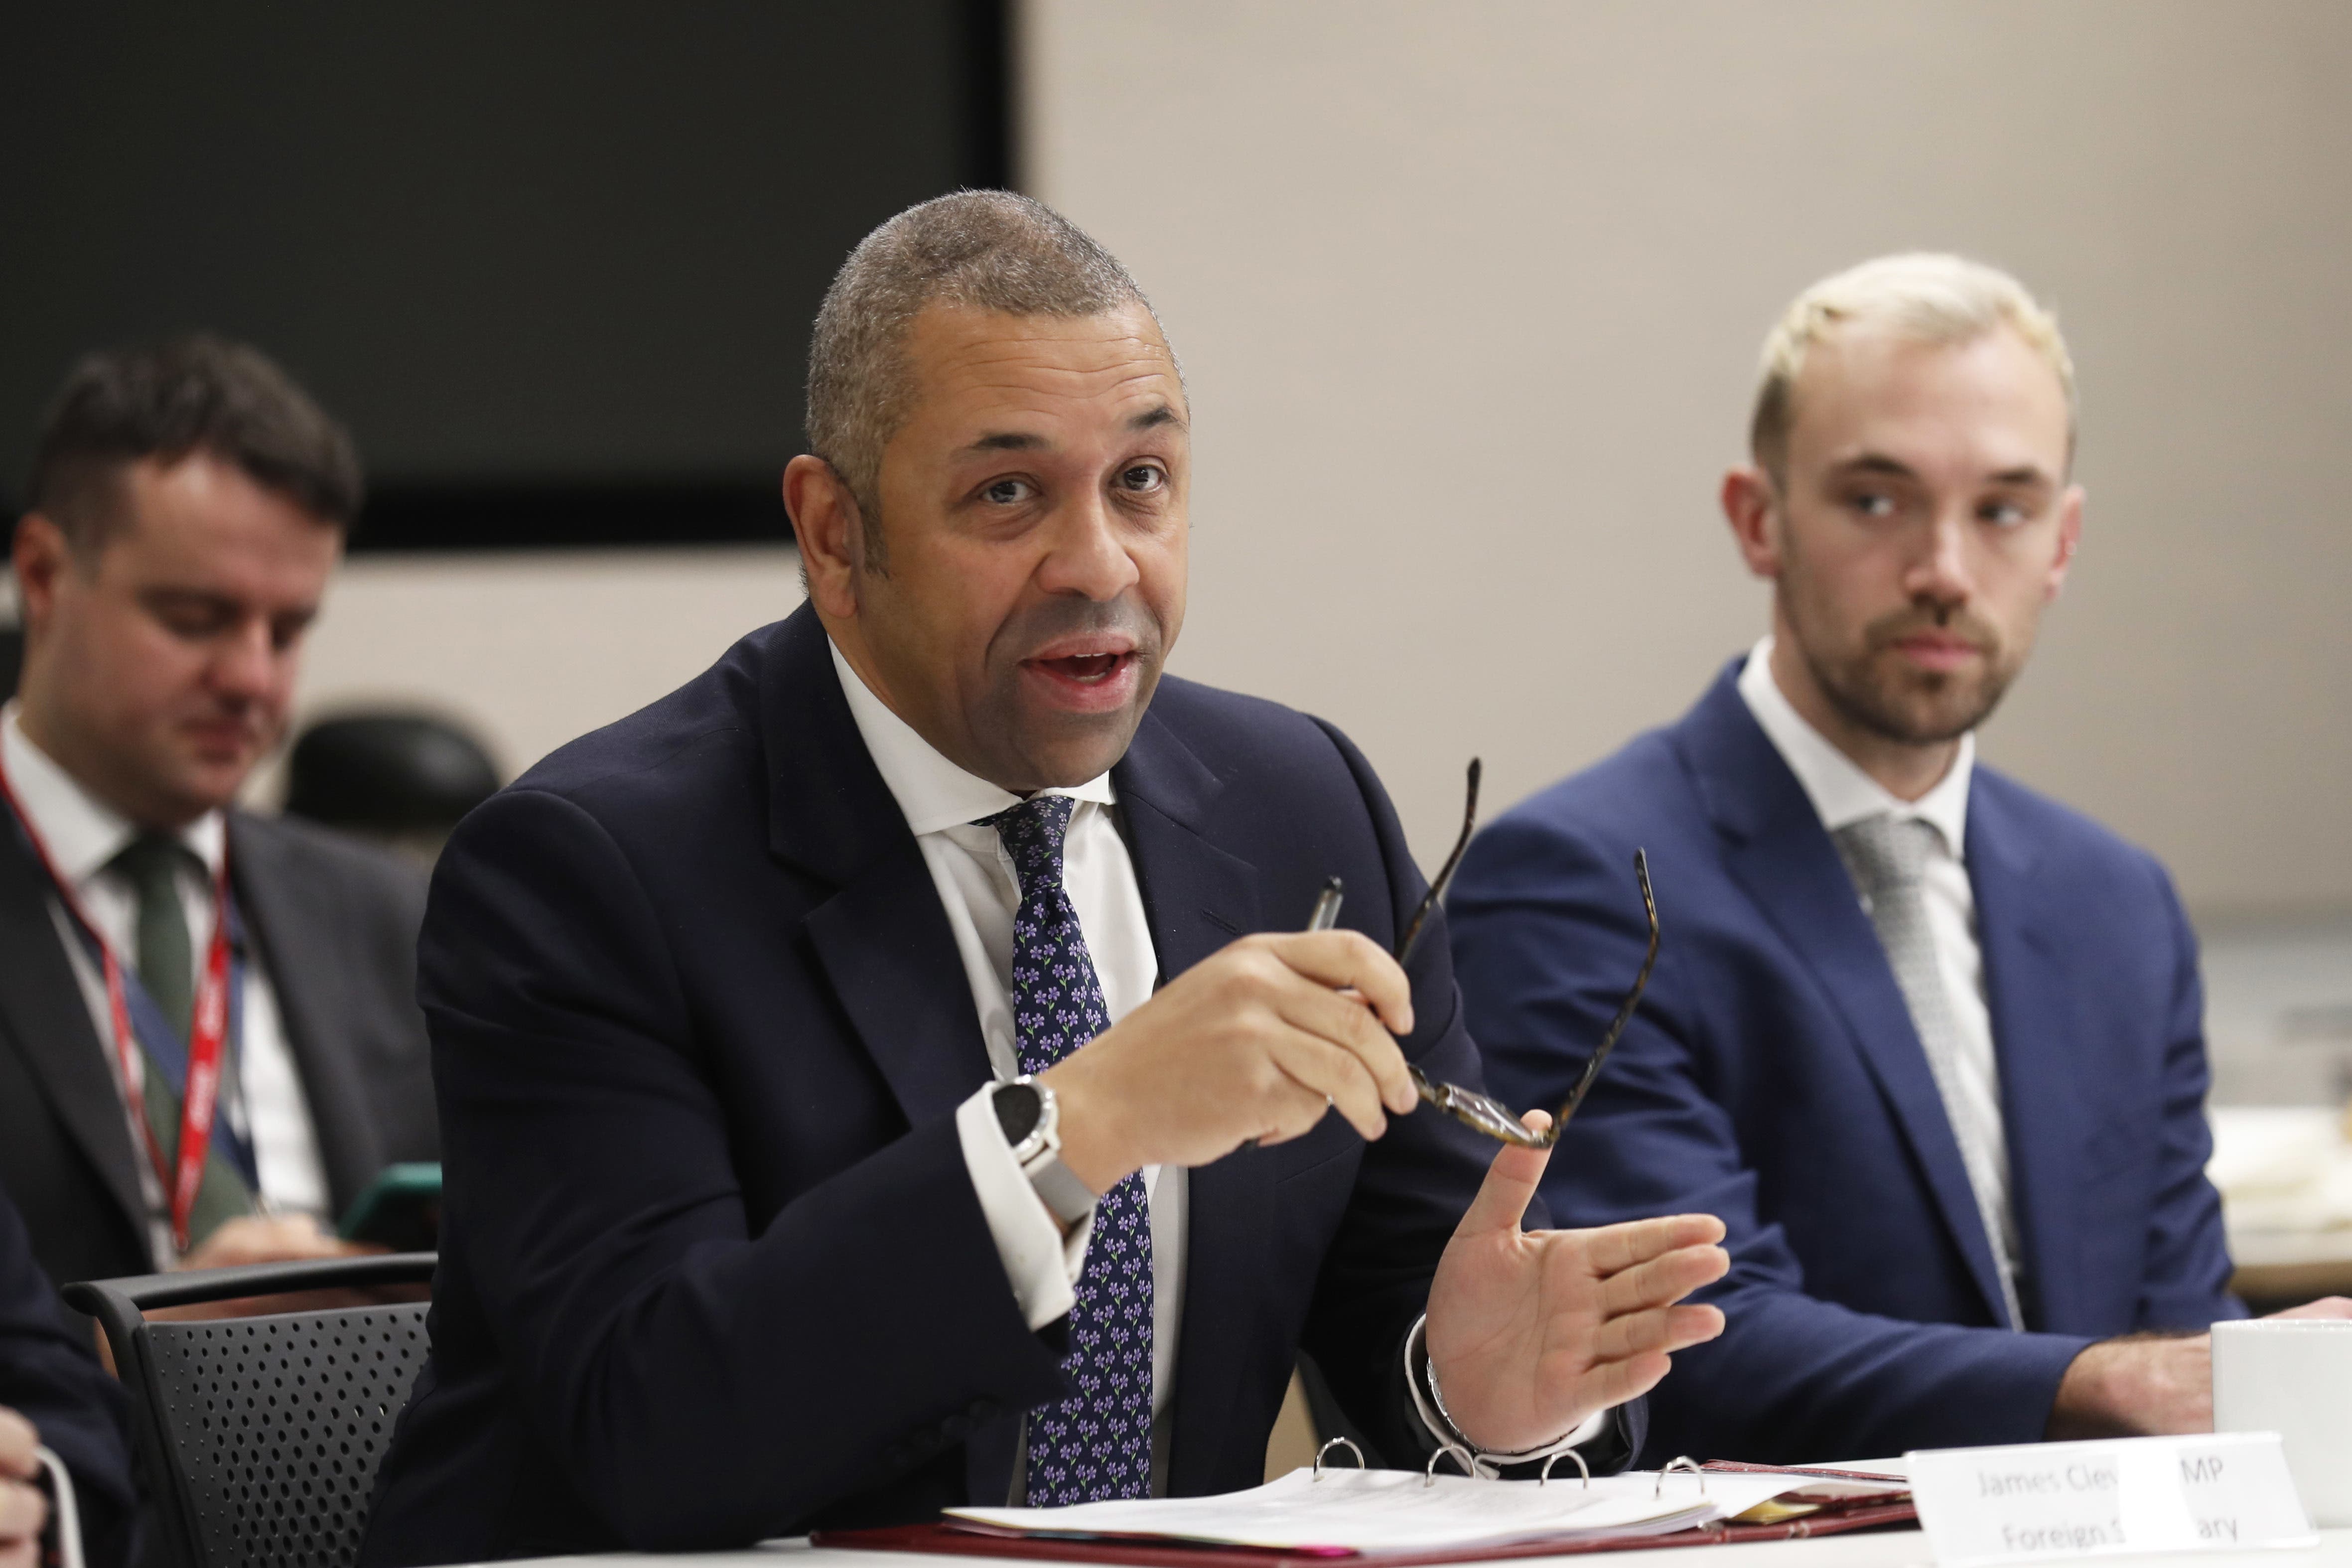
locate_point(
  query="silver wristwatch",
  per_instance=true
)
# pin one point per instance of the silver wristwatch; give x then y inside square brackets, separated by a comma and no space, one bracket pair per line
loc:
[1031,1121]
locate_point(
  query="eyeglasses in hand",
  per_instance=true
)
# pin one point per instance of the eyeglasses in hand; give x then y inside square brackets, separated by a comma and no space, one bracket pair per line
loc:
[1481,1113]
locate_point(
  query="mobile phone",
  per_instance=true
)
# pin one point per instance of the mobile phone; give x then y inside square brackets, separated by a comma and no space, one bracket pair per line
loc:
[401,1209]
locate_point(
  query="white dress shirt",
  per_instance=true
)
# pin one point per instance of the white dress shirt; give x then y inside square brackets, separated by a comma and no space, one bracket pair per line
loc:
[82,835]
[1843,793]
[981,891]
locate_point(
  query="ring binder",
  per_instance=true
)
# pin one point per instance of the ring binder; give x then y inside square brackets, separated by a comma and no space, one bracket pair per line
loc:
[1463,1457]
[1332,1443]
[1680,1462]
[1544,1476]
[1183,1534]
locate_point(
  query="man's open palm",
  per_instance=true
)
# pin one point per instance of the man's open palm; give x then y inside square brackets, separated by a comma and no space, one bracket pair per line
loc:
[1530,1332]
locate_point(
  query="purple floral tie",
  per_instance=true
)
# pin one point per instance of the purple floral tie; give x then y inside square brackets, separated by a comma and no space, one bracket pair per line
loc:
[1096,1443]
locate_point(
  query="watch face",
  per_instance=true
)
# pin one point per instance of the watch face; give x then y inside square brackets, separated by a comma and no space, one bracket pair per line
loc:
[1018,1106]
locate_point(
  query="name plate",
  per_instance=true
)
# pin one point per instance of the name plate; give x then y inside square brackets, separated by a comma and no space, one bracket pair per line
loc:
[2210,1493]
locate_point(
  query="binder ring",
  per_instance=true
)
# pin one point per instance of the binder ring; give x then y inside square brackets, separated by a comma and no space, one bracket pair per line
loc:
[1334,1443]
[1468,1461]
[1682,1462]
[1545,1474]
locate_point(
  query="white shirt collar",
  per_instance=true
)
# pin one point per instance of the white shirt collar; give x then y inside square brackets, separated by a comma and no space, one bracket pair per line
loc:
[934,794]
[82,833]
[1841,792]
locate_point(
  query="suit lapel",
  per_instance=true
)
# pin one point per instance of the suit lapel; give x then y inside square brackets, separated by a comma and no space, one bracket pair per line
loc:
[2042,1100]
[1777,851]
[292,930]
[1197,897]
[45,1011]
[886,945]
[883,938]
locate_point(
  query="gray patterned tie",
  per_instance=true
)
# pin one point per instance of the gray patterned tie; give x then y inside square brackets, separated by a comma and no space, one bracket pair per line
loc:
[1887,858]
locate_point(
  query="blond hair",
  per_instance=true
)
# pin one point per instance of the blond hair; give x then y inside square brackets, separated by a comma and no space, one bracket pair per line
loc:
[1923,297]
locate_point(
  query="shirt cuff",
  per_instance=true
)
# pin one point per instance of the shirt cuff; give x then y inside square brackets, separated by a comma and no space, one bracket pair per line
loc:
[1419,1378]
[1042,1264]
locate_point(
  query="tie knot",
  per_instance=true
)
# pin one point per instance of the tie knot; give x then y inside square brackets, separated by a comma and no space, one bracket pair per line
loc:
[151,862]
[1886,852]
[1031,834]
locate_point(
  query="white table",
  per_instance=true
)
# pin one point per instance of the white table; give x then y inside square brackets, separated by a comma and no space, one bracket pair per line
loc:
[1875,1549]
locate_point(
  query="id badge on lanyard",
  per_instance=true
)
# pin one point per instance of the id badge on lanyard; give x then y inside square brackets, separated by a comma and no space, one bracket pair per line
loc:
[183,1176]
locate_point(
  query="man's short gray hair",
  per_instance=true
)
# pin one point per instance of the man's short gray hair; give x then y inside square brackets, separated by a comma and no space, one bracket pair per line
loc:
[991,250]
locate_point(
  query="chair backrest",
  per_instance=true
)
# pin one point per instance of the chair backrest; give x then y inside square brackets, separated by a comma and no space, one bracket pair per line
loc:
[277,1425]
[266,1433]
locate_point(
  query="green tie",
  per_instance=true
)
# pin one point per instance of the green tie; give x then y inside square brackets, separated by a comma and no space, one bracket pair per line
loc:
[150,863]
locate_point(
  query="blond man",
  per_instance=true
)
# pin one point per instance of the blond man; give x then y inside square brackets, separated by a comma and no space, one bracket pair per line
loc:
[1927,1042]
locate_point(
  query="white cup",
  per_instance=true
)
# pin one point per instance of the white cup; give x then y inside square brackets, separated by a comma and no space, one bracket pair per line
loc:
[2293,1377]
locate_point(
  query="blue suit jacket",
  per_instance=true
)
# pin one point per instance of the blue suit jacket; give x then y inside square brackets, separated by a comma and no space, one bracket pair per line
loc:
[712,1270]
[1773,1076]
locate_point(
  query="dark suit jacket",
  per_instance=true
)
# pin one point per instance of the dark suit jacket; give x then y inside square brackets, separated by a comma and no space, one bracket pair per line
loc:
[1772,1076]
[50,1375]
[712,1270]
[334,924]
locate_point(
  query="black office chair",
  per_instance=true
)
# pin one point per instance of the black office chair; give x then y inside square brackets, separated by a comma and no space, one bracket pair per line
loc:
[260,1436]
[403,779]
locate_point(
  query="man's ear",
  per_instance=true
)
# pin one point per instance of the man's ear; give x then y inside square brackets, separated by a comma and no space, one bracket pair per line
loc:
[1751,505]
[42,556]
[827,523]
[2070,537]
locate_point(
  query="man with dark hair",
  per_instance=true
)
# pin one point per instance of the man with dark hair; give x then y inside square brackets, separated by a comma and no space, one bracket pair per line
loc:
[890,1073]
[188,503]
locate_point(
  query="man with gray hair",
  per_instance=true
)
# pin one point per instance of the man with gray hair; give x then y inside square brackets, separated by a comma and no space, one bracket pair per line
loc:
[889,1072]
[1927,1042]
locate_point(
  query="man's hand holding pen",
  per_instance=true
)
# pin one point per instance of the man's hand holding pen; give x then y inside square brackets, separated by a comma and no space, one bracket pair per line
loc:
[1256,1042]
[1530,1332]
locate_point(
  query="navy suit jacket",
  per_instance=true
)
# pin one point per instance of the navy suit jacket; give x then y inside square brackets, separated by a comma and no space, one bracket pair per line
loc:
[712,1270]
[1772,1076]
[50,1375]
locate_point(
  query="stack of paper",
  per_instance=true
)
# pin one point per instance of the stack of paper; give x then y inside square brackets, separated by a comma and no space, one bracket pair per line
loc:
[1343,1511]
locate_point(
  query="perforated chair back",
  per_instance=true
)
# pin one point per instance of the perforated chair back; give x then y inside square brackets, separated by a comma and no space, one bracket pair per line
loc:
[270,1430]
[278,1424]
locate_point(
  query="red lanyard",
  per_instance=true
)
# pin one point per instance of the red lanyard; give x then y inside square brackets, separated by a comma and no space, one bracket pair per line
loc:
[207,1033]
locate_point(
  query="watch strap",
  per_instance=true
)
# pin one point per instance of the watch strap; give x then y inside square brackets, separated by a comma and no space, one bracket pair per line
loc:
[1069,1199]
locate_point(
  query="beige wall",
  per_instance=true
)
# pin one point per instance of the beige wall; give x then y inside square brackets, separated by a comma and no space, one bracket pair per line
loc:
[531,650]
[1469,295]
